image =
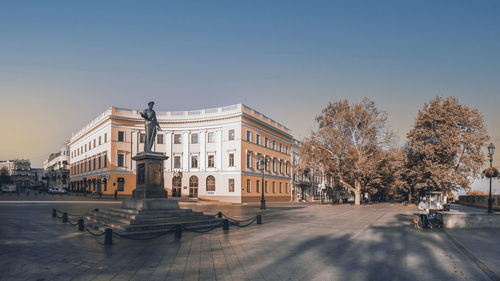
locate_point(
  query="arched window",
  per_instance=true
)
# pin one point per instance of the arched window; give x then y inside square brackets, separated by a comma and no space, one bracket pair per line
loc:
[193,186]
[210,183]
[176,182]
[193,181]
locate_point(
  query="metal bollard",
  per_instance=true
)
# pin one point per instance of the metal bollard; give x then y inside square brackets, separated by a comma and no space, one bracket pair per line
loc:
[259,219]
[219,215]
[65,217]
[225,224]
[108,236]
[54,213]
[178,232]
[81,225]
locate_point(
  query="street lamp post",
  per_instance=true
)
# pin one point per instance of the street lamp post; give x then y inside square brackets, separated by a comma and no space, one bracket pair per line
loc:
[491,150]
[262,166]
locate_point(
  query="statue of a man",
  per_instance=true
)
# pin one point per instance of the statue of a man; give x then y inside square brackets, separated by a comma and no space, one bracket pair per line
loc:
[151,125]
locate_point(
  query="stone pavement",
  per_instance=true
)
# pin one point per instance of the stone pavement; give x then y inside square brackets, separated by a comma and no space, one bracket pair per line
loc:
[296,242]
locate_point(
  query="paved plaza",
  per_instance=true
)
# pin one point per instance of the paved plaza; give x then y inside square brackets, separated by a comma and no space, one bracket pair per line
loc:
[296,242]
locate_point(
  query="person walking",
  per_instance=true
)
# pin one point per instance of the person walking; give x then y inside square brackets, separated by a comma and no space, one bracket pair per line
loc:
[423,210]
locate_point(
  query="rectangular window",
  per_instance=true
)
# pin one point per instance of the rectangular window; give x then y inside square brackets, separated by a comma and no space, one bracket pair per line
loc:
[257,139]
[121,184]
[231,134]
[105,160]
[121,136]
[231,159]
[281,167]
[211,161]
[257,186]
[93,164]
[274,187]
[90,145]
[99,140]
[121,160]
[286,149]
[177,162]
[274,145]
[99,162]
[85,147]
[248,187]
[231,185]
[274,165]
[177,139]
[194,161]
[286,187]
[211,137]
[281,190]
[94,143]
[142,138]
[249,160]
[249,136]
[105,137]
[266,142]
[281,147]
[159,139]
[194,138]
[265,187]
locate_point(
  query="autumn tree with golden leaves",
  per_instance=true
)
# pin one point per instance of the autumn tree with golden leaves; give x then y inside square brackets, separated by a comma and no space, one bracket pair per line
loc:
[444,147]
[352,146]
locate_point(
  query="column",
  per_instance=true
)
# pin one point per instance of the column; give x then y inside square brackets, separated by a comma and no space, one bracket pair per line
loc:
[203,150]
[218,153]
[185,151]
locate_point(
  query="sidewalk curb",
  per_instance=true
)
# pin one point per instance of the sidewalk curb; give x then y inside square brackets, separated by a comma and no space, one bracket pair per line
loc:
[482,266]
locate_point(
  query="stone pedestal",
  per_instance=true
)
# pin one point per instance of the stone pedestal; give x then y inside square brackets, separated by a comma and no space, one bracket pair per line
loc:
[149,171]
[150,204]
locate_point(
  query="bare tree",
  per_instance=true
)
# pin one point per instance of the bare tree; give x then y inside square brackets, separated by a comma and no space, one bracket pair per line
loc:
[444,147]
[349,144]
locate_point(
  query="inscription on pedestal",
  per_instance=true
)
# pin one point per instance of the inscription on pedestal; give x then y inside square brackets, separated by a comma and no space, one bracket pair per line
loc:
[155,174]
[141,173]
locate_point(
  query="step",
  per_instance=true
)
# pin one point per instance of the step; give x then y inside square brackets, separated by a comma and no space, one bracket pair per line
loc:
[142,227]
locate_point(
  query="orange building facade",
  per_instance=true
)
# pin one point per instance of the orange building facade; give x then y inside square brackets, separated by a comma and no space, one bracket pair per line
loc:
[213,154]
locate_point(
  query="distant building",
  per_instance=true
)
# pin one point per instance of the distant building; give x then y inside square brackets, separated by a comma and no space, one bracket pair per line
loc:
[18,171]
[213,153]
[37,177]
[56,168]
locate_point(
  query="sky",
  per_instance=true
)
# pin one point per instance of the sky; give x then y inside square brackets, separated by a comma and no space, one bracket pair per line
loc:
[64,62]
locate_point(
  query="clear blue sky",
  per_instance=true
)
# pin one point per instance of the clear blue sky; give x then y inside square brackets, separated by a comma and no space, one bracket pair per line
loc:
[64,62]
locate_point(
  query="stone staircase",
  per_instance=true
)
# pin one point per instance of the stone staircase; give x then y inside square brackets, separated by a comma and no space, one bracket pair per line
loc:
[140,222]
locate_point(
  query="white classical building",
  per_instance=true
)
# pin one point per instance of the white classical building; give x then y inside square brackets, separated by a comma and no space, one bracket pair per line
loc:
[212,153]
[56,168]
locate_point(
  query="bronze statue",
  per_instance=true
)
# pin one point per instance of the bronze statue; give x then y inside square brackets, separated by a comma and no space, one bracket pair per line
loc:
[151,125]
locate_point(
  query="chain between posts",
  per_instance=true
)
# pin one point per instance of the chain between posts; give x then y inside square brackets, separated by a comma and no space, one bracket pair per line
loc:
[234,222]
[94,234]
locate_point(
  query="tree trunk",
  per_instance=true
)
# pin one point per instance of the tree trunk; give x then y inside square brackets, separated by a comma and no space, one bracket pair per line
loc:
[357,193]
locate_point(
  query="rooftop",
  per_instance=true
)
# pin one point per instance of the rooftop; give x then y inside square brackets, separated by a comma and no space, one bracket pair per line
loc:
[183,115]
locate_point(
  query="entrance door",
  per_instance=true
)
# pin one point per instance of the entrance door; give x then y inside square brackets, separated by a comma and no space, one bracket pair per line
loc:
[176,186]
[193,186]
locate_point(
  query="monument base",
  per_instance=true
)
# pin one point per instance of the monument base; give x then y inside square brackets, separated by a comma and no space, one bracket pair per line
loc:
[149,166]
[149,204]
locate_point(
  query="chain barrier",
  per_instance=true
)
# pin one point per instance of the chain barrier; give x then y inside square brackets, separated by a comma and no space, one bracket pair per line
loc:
[234,222]
[69,215]
[93,234]
[72,223]
[244,225]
